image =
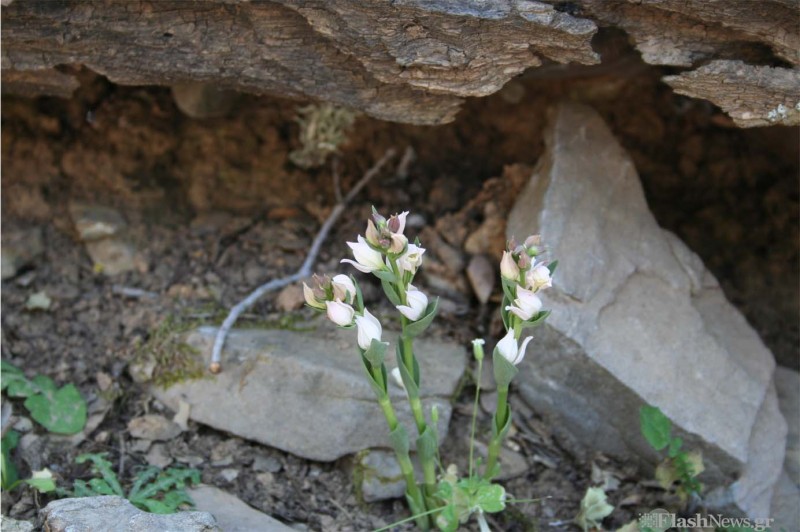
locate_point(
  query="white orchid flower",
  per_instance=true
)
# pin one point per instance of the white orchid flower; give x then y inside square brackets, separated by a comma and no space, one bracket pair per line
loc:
[343,288]
[340,313]
[411,259]
[538,277]
[508,267]
[417,303]
[508,347]
[526,306]
[369,328]
[367,259]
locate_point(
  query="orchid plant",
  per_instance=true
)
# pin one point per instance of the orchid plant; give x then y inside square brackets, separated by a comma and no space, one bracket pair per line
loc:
[441,500]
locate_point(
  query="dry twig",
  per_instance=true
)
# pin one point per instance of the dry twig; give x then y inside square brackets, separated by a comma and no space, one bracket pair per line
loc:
[303,272]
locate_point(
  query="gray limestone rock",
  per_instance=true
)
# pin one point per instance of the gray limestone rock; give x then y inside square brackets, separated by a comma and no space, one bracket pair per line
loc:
[306,393]
[115,514]
[636,318]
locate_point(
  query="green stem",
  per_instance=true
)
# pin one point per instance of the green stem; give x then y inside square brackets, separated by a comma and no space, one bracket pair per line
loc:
[406,466]
[500,418]
[475,417]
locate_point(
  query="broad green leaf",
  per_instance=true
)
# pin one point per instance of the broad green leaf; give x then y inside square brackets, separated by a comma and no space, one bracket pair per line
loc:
[44,383]
[656,427]
[674,447]
[42,481]
[60,411]
[415,328]
[8,470]
[491,498]
[20,387]
[446,520]
[504,371]
[376,352]
[388,289]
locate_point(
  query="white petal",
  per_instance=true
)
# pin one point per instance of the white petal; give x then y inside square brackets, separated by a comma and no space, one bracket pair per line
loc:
[410,313]
[508,346]
[522,348]
[358,266]
[340,313]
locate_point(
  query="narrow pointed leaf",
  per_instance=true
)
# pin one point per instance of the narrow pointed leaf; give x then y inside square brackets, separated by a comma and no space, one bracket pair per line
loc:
[416,328]
[504,371]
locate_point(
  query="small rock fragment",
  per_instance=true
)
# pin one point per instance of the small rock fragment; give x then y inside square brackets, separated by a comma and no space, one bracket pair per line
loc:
[229,474]
[158,456]
[38,301]
[19,249]
[202,100]
[232,514]
[290,298]
[12,525]
[153,427]
[481,274]
[93,514]
[267,463]
[94,222]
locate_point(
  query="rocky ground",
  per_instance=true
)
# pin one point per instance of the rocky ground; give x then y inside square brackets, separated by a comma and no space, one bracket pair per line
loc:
[196,213]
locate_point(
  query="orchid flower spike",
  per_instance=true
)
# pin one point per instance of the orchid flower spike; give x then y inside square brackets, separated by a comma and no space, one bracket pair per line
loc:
[417,303]
[367,259]
[526,306]
[340,313]
[508,347]
[369,328]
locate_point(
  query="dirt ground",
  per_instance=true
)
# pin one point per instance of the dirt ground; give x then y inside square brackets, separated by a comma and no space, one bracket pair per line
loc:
[216,208]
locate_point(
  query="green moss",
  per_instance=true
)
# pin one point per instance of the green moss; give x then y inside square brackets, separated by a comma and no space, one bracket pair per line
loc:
[173,360]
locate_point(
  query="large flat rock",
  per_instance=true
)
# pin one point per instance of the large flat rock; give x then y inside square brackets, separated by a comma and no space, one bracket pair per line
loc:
[638,319]
[306,392]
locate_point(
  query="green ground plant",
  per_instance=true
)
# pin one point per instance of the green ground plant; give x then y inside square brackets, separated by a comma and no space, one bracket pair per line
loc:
[153,490]
[679,470]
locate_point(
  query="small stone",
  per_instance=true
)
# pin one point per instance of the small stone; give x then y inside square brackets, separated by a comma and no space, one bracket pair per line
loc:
[87,514]
[290,298]
[102,436]
[265,479]
[489,238]
[231,513]
[19,249]
[104,381]
[381,475]
[229,475]
[23,424]
[267,463]
[38,301]
[31,450]
[202,100]
[153,427]
[181,417]
[489,402]
[158,456]
[112,256]
[95,222]
[482,274]
[12,525]
[140,446]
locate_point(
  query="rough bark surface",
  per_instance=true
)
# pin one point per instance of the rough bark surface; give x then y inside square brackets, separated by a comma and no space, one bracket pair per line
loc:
[405,60]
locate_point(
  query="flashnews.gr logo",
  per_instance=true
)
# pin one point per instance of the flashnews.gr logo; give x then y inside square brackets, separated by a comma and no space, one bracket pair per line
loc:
[658,520]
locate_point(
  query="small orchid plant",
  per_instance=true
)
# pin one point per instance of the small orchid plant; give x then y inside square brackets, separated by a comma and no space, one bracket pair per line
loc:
[441,500]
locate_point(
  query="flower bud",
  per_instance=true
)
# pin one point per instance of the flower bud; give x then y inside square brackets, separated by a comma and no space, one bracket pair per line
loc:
[532,241]
[343,288]
[524,262]
[340,313]
[398,244]
[398,379]
[417,303]
[372,234]
[369,328]
[397,223]
[312,299]
[508,267]
[477,348]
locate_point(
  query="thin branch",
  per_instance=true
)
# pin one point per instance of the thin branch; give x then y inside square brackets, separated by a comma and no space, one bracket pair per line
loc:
[302,273]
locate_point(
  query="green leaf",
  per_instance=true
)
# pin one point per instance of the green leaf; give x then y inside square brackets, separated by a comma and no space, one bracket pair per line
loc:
[42,481]
[447,520]
[415,328]
[536,321]
[8,470]
[376,352]
[552,267]
[504,371]
[59,411]
[509,290]
[388,289]
[674,447]
[655,426]
[378,385]
[412,389]
[427,445]
[491,498]
[20,387]
[359,295]
[399,439]
[385,275]
[594,509]
[102,467]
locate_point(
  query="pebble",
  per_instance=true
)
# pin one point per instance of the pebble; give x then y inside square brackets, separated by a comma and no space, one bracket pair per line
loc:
[482,275]
[23,424]
[158,456]
[267,463]
[229,474]
[153,427]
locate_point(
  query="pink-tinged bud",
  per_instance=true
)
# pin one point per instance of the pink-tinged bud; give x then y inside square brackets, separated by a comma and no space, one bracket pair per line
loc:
[340,313]
[411,260]
[526,305]
[379,220]
[508,267]
[367,259]
[372,234]
[369,328]
[508,347]
[344,289]
[533,240]
[511,244]
[398,244]
[312,299]
[524,262]
[397,223]
[538,278]
[417,304]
